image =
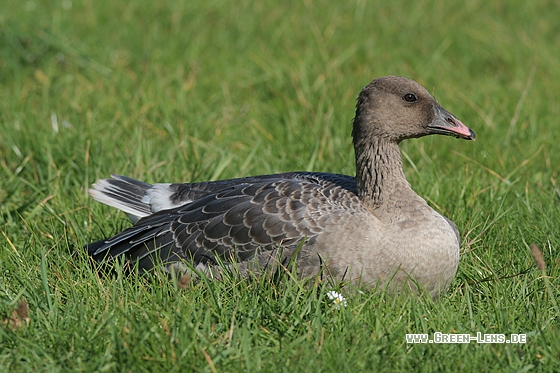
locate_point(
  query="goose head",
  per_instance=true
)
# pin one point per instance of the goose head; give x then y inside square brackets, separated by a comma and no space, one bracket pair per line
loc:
[395,108]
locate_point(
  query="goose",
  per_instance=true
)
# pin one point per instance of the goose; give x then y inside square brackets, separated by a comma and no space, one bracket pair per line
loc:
[370,229]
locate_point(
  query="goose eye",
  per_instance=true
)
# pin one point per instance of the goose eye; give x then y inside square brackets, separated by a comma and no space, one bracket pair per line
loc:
[410,97]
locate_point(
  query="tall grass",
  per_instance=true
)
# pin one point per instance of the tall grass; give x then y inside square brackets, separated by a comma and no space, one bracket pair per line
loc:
[183,91]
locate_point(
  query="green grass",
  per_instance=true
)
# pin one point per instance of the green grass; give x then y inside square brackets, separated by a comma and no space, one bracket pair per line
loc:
[196,90]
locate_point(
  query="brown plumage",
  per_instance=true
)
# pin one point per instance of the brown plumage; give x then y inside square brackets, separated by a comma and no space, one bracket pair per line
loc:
[372,228]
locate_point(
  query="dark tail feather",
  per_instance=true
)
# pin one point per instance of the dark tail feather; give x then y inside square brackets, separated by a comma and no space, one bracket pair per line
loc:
[123,193]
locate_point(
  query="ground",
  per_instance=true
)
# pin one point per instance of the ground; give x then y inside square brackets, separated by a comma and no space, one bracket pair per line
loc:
[183,91]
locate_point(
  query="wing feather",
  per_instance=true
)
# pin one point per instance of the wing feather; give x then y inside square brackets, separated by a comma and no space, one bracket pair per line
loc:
[234,219]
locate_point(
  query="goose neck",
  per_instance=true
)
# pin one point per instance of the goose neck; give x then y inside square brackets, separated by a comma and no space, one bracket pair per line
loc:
[379,172]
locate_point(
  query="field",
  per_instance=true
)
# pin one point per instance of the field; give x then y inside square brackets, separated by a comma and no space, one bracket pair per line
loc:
[197,90]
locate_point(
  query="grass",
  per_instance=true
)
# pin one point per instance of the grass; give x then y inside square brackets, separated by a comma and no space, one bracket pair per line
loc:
[183,91]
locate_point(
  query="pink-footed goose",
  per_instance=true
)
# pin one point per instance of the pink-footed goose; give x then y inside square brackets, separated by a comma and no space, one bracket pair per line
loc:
[371,229]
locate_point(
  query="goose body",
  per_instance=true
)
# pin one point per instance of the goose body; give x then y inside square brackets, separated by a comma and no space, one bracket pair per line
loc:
[371,229]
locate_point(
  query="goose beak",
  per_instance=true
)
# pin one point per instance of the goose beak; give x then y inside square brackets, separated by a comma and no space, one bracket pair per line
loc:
[446,123]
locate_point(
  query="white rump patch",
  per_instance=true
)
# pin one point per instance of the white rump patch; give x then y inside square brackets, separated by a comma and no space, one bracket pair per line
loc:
[159,198]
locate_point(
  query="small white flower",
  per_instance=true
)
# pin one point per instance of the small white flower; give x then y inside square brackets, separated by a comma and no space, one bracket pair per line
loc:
[337,299]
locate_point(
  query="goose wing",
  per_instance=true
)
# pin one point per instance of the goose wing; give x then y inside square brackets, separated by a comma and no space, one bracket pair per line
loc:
[234,219]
